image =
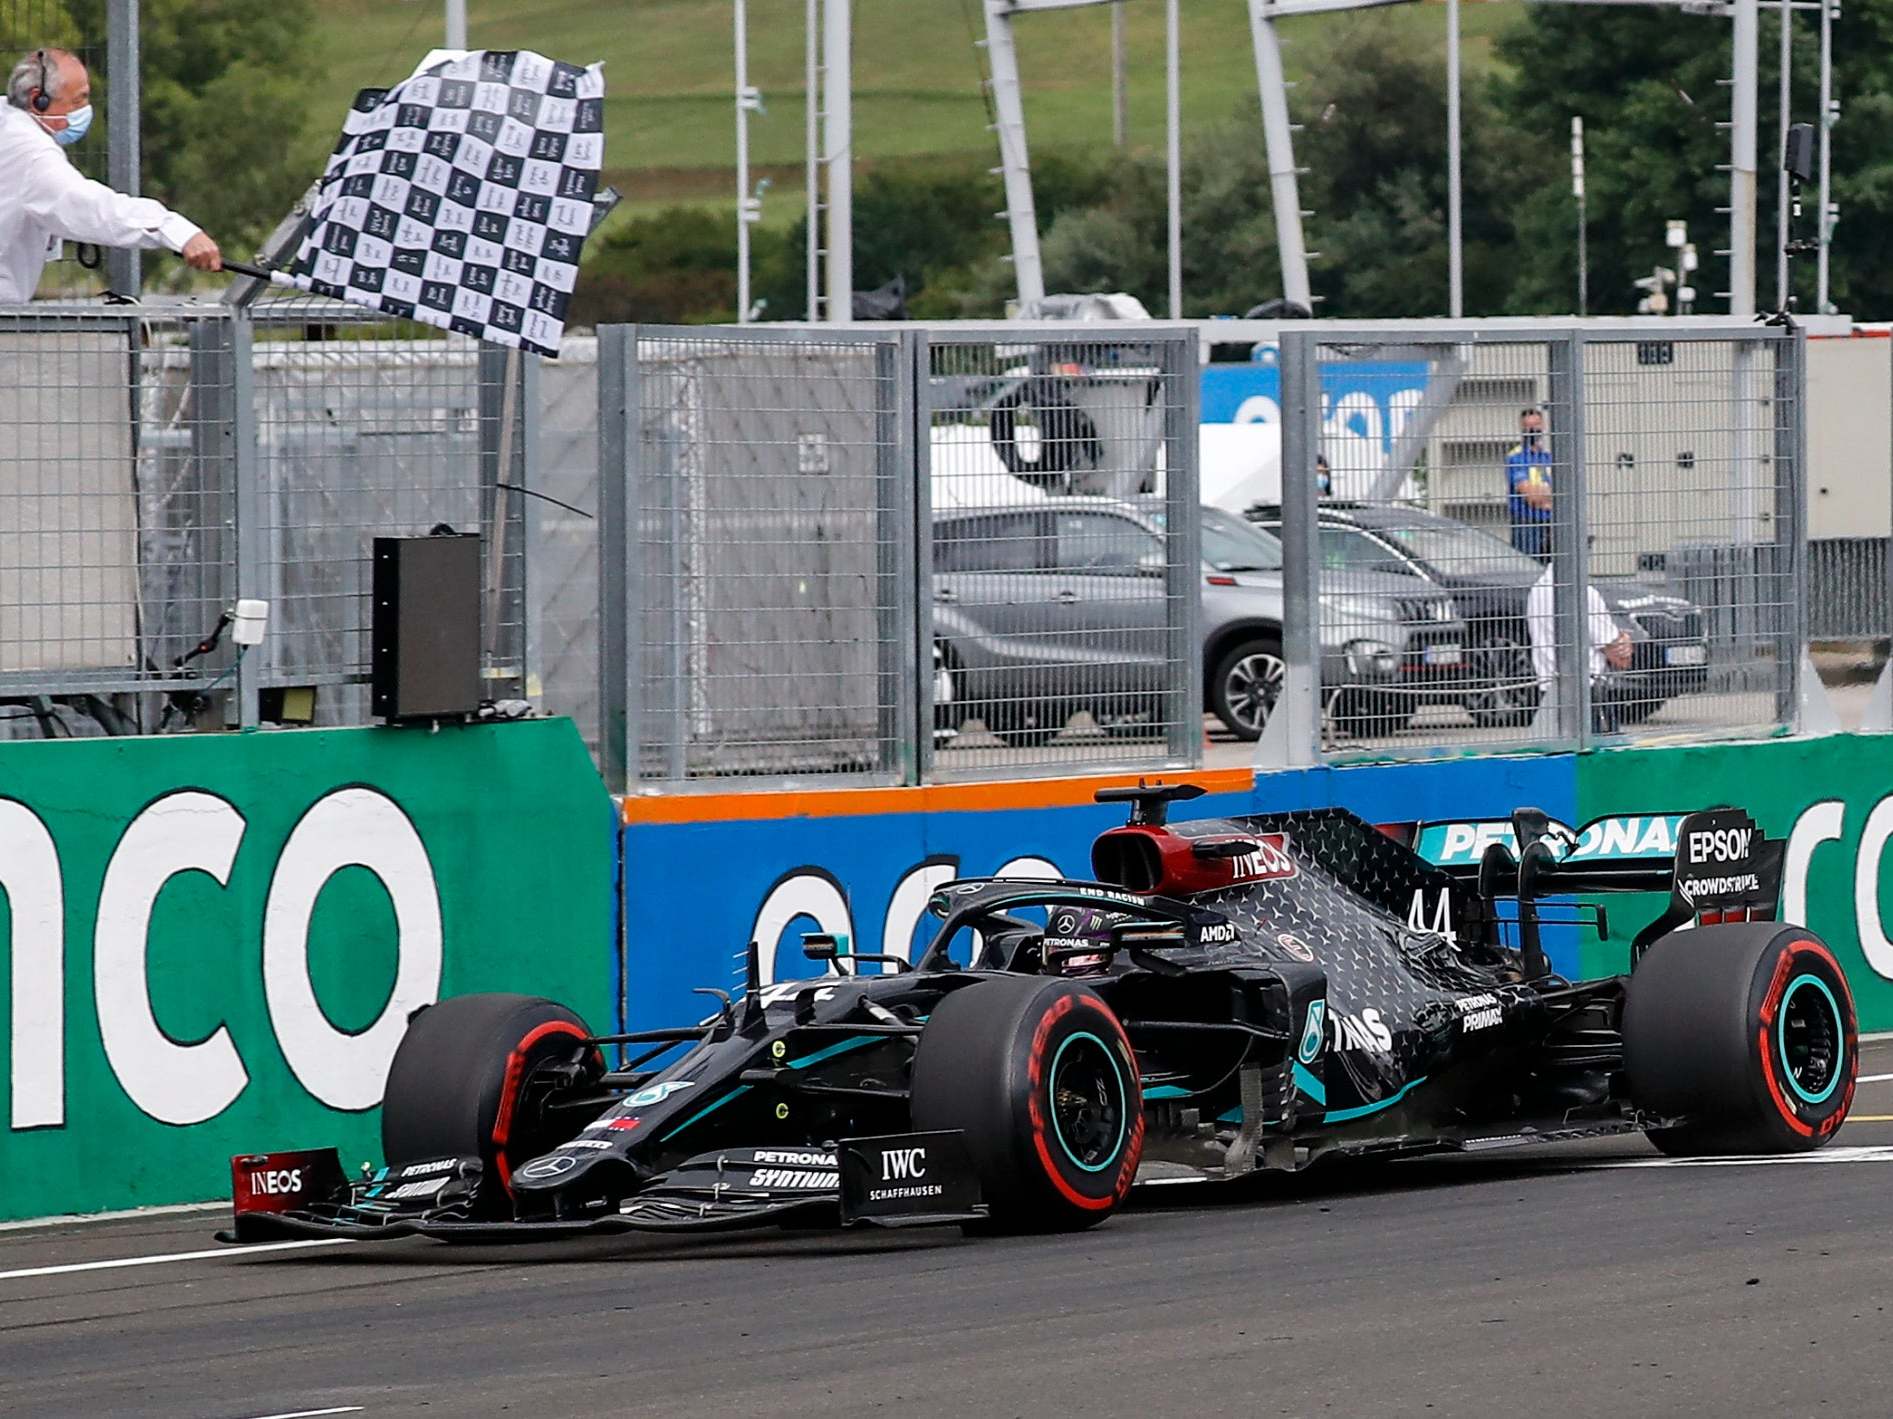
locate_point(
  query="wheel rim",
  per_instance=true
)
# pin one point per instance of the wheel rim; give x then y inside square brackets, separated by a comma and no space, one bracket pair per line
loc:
[1504,671]
[1087,1102]
[1811,1038]
[1251,688]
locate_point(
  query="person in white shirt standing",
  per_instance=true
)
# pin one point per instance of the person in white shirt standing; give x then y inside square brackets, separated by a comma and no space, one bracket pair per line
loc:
[1611,651]
[44,199]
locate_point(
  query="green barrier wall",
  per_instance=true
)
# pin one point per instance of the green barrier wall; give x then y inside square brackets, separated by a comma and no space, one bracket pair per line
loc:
[212,943]
[1832,798]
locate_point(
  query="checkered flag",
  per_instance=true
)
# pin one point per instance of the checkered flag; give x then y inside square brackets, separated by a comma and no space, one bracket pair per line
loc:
[461,197]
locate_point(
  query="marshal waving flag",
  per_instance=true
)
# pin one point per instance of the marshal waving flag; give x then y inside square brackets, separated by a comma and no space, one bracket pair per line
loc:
[462,197]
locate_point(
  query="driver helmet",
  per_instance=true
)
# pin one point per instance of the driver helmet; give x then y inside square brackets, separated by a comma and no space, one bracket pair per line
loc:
[1084,933]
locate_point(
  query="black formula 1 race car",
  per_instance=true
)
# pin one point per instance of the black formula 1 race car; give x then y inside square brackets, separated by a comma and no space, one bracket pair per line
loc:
[1231,995]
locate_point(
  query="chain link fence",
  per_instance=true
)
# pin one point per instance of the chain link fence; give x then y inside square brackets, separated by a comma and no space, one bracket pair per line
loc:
[1063,597]
[759,529]
[117,472]
[883,556]
[1611,521]
[162,461]
[907,554]
[364,428]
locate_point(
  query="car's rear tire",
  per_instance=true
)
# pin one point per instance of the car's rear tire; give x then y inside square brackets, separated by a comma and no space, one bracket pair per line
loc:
[1039,1076]
[946,693]
[462,1083]
[1747,1034]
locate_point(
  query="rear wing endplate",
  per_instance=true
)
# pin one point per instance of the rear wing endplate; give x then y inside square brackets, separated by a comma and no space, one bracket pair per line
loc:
[1716,865]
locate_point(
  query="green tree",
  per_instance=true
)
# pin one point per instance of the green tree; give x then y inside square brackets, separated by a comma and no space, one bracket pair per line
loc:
[1648,86]
[674,266]
[225,87]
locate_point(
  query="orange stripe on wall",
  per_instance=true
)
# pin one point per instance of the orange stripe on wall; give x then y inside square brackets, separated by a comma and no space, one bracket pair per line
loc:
[933,798]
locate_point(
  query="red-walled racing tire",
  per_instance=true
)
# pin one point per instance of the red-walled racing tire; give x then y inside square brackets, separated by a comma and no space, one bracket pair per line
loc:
[1039,1076]
[1747,1034]
[461,1085]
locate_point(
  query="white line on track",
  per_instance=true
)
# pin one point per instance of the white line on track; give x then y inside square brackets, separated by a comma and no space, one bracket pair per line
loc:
[313,1413]
[1873,1078]
[72,1266]
[1879,1154]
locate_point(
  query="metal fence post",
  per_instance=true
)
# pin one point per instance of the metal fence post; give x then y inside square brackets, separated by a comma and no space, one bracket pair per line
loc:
[123,264]
[246,504]
[1299,707]
[532,511]
[896,480]
[617,438]
[500,386]
[1570,537]
[1183,520]
[917,615]
[1791,631]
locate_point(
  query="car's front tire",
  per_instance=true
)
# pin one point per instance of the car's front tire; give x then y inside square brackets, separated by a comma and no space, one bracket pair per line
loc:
[462,1084]
[1505,690]
[1745,1034]
[1245,685]
[1039,1077]
[1371,714]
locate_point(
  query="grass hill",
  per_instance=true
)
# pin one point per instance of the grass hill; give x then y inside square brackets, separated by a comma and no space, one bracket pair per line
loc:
[669,74]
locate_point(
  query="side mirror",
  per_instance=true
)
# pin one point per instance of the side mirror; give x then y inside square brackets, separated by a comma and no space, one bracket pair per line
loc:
[821,946]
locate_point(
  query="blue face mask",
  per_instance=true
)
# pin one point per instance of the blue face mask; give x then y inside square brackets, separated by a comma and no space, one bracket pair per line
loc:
[77,122]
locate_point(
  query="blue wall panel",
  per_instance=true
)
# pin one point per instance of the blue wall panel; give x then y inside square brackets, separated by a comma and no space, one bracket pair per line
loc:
[695,893]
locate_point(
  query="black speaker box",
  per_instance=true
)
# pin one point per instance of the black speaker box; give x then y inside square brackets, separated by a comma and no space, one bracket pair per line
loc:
[425,631]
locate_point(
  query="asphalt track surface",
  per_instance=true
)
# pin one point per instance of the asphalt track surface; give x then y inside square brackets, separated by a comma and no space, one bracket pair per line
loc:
[1592,1279]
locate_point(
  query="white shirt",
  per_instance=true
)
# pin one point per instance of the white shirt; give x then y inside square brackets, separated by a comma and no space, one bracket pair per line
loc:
[44,199]
[1541,622]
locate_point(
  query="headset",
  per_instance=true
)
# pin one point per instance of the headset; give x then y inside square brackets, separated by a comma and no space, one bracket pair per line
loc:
[41,99]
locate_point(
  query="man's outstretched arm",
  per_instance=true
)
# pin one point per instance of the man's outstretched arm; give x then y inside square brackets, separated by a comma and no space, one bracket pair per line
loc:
[79,209]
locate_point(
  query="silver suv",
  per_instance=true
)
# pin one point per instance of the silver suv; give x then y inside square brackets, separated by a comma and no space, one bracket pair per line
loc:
[1044,609]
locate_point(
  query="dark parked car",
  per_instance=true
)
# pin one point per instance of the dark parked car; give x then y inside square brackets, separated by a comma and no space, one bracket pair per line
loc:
[1489,580]
[1385,650]
[1044,609]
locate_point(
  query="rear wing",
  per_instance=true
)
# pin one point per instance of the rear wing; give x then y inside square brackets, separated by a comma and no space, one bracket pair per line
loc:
[1716,865]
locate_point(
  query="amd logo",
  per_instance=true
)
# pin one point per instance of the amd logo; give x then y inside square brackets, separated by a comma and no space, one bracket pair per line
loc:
[903,1164]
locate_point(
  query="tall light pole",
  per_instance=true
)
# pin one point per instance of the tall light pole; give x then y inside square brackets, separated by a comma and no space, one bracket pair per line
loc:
[748,204]
[1830,114]
[1781,168]
[811,140]
[838,141]
[1577,191]
[1173,153]
[1743,93]
[1455,261]
[1120,123]
[1278,138]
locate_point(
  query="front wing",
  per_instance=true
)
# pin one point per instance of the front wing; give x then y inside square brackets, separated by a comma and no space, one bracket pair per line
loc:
[858,1182]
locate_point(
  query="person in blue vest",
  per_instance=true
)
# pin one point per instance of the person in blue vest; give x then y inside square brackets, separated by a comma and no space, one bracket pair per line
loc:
[1528,487]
